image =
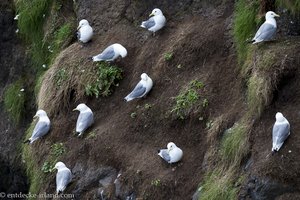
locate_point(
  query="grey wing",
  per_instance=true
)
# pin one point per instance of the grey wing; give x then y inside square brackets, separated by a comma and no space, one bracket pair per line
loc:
[84,121]
[164,154]
[63,178]
[265,32]
[40,129]
[149,23]
[280,133]
[107,54]
[138,91]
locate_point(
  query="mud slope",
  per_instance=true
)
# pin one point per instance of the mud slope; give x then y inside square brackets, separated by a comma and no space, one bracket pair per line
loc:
[199,35]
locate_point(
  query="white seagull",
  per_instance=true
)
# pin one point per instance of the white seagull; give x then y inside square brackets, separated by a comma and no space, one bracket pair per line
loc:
[141,89]
[41,128]
[156,22]
[111,53]
[85,118]
[172,154]
[84,31]
[63,177]
[267,30]
[281,130]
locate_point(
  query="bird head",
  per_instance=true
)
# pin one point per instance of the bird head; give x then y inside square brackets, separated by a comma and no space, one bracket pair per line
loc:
[271,14]
[144,77]
[81,107]
[40,113]
[155,12]
[59,165]
[82,23]
[122,50]
[170,146]
[279,117]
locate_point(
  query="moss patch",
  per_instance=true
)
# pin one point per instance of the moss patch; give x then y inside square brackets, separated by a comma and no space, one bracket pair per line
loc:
[14,100]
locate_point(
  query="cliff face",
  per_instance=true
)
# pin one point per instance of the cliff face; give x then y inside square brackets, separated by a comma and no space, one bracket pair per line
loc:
[12,65]
[195,52]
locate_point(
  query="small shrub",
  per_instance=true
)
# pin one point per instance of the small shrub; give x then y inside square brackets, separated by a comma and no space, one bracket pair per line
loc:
[14,101]
[60,76]
[187,99]
[168,56]
[156,182]
[48,166]
[57,149]
[107,76]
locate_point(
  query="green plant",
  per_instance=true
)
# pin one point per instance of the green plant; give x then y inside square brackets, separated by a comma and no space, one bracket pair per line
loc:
[217,185]
[48,166]
[209,124]
[147,106]
[156,182]
[133,115]
[57,149]
[204,103]
[60,76]
[91,135]
[61,36]
[168,56]
[245,24]
[107,76]
[187,99]
[14,100]
[234,144]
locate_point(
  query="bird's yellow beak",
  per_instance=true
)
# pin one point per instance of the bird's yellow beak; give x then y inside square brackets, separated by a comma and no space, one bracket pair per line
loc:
[35,116]
[78,27]
[277,15]
[152,14]
[74,109]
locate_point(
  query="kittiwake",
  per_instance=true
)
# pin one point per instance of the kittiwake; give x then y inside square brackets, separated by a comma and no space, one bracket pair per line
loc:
[267,30]
[111,53]
[84,31]
[281,130]
[63,177]
[172,154]
[85,118]
[141,89]
[156,22]
[41,128]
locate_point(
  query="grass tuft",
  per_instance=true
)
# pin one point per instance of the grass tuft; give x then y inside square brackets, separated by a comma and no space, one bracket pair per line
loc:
[14,100]
[245,25]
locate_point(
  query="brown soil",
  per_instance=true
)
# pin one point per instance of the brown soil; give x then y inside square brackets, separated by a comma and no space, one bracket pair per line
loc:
[201,43]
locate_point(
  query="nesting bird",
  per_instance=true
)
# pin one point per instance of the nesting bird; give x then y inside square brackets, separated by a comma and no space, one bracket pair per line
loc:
[172,154]
[156,22]
[111,53]
[267,30]
[84,31]
[141,89]
[63,177]
[85,118]
[41,128]
[281,130]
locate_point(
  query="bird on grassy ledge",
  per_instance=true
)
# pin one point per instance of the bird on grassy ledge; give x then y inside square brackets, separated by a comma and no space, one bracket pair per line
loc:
[141,89]
[267,30]
[172,154]
[281,130]
[84,31]
[41,128]
[63,177]
[111,53]
[85,118]
[156,22]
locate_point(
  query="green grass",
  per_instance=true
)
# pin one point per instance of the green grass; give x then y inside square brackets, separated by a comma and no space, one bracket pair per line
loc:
[291,5]
[245,25]
[218,186]
[60,76]
[60,37]
[14,100]
[33,171]
[258,93]
[168,56]
[234,144]
[30,24]
[107,76]
[187,99]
